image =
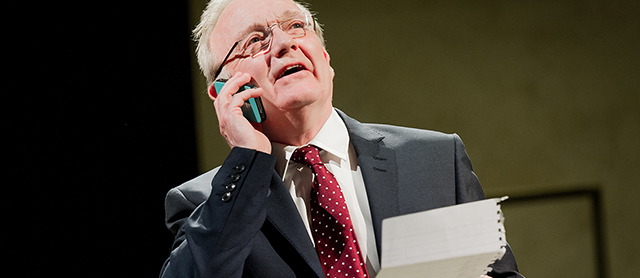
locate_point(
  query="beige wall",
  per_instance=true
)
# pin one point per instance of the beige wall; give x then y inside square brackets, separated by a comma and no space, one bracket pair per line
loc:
[545,95]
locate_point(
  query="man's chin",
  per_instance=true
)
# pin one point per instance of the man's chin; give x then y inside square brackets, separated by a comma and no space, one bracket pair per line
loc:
[295,98]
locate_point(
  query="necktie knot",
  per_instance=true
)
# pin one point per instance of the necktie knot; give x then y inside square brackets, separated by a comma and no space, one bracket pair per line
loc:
[308,155]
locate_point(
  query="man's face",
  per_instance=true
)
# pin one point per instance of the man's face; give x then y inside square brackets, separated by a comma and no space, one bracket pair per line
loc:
[283,90]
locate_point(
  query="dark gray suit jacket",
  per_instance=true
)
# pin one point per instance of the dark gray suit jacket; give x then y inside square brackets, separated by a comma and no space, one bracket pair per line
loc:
[255,230]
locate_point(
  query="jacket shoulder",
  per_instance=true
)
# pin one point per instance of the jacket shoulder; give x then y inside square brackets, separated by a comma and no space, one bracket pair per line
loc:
[395,136]
[392,133]
[409,141]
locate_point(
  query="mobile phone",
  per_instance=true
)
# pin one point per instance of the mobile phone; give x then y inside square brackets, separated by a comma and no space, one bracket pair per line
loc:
[252,108]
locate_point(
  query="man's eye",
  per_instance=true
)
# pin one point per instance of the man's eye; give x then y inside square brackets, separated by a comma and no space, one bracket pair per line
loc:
[296,24]
[254,39]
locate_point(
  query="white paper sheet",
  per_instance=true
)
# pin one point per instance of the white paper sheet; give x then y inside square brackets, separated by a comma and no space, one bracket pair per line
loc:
[457,241]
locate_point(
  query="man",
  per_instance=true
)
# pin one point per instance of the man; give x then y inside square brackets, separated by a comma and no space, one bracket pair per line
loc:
[261,213]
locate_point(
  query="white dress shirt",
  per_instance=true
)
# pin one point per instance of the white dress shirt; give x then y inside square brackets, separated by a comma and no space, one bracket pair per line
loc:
[340,159]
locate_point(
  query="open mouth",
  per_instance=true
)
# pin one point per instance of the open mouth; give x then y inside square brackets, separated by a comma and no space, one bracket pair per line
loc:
[290,70]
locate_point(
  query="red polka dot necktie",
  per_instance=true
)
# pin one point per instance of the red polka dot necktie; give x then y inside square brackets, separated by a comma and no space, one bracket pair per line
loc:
[333,233]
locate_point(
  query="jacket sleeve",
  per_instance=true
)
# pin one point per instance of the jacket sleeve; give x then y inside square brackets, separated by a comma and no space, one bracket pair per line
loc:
[213,239]
[468,189]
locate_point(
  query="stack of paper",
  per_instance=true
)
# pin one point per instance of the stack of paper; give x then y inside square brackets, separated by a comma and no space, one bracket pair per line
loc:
[459,241]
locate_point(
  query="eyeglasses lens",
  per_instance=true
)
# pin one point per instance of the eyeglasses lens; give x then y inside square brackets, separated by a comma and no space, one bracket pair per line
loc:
[259,42]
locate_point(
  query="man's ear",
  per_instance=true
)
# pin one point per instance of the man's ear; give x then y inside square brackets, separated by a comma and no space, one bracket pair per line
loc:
[328,58]
[212,92]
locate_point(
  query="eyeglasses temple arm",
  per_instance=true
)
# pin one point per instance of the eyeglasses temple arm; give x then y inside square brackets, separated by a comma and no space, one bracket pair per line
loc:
[225,60]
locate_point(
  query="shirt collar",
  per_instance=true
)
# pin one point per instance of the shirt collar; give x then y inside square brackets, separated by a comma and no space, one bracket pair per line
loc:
[333,137]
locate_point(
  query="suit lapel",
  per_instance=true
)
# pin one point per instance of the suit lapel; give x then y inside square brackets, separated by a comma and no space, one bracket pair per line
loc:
[283,215]
[379,171]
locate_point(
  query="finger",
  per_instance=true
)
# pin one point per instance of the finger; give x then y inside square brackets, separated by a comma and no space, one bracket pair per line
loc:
[228,99]
[234,84]
[224,97]
[214,93]
[249,93]
[239,99]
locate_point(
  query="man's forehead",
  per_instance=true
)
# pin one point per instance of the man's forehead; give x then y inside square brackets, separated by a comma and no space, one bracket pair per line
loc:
[251,11]
[259,25]
[242,16]
[288,14]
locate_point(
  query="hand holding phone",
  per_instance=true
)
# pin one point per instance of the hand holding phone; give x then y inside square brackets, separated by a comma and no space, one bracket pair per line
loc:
[234,121]
[252,108]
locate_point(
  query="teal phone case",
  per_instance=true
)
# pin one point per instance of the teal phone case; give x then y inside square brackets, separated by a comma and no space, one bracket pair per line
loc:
[252,108]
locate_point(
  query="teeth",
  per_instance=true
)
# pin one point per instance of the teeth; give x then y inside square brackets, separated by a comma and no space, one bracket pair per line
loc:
[290,68]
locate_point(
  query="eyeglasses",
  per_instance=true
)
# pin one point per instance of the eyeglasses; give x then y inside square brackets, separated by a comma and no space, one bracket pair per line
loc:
[259,42]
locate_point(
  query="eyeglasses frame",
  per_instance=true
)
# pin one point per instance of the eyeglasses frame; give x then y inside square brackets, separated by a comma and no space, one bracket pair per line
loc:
[226,58]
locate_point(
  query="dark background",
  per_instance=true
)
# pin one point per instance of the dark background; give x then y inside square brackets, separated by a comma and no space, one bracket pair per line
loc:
[99,112]
[101,129]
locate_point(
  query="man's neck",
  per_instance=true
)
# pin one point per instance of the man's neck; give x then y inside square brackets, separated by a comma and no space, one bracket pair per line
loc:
[295,128]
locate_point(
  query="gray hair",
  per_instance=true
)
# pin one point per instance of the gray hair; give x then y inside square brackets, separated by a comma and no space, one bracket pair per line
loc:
[202,33]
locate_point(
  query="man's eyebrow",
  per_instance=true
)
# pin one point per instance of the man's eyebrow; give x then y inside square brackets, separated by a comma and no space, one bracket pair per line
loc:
[252,28]
[288,14]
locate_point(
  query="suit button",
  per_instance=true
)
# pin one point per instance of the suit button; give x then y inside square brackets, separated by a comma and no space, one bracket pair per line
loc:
[240,168]
[226,197]
[231,187]
[235,177]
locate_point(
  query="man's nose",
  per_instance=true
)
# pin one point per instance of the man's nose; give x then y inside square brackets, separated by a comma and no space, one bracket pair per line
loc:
[282,43]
